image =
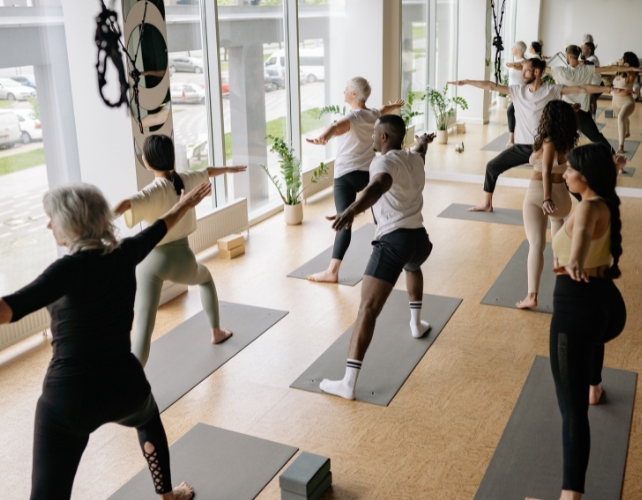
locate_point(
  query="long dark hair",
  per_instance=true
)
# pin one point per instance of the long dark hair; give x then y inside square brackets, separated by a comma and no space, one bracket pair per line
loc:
[595,163]
[559,125]
[631,59]
[159,153]
[537,47]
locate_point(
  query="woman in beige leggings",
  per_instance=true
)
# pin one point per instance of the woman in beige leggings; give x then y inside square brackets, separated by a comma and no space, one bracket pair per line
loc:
[624,106]
[547,196]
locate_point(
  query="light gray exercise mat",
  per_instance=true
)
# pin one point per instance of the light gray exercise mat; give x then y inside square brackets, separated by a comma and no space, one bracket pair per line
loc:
[512,284]
[185,356]
[218,464]
[393,353]
[628,172]
[528,459]
[498,215]
[354,262]
[497,144]
[630,147]
[598,111]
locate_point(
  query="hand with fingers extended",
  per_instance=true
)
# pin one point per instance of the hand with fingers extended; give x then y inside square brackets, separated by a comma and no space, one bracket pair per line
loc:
[397,104]
[195,196]
[343,220]
[548,207]
[235,169]
[425,138]
[321,140]
[574,270]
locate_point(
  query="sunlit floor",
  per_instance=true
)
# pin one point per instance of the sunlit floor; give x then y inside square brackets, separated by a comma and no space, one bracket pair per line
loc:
[435,439]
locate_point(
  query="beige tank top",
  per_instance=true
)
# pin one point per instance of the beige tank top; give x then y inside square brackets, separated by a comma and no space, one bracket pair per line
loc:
[537,164]
[619,82]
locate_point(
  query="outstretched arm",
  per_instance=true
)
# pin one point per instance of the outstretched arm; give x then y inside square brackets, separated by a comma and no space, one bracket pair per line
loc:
[378,185]
[338,128]
[214,171]
[391,106]
[482,84]
[589,89]
[422,145]
[122,207]
[616,69]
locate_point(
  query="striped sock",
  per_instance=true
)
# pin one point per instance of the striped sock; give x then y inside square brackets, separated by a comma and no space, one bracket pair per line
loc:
[345,387]
[417,327]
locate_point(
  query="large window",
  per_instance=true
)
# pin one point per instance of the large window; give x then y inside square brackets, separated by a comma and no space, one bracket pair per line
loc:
[414,57]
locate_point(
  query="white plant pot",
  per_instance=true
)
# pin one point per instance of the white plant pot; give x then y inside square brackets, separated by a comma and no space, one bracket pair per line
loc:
[293,214]
[442,136]
[502,102]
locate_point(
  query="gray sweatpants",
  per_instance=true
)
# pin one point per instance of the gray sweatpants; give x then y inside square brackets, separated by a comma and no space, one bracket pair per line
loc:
[174,262]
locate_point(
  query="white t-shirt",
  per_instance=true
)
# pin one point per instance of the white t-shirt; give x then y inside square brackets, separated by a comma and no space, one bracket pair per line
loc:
[400,206]
[579,75]
[597,78]
[355,147]
[528,109]
[157,198]
[515,75]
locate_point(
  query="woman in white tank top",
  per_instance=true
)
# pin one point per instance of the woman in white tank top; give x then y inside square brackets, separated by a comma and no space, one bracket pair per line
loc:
[352,163]
[547,196]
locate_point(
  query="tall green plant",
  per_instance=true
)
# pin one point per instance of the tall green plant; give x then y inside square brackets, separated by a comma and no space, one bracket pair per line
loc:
[406,112]
[290,167]
[333,109]
[442,106]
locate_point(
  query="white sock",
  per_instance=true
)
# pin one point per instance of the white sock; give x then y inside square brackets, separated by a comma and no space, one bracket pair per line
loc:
[417,326]
[345,387]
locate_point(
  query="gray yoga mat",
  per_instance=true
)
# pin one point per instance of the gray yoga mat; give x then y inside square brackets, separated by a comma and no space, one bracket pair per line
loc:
[218,464]
[393,353]
[630,147]
[185,356]
[528,458]
[598,111]
[498,215]
[497,144]
[512,284]
[628,172]
[353,264]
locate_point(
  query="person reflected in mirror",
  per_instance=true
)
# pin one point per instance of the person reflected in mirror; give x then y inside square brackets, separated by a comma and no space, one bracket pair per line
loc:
[514,78]
[172,260]
[395,192]
[623,104]
[589,58]
[93,377]
[352,161]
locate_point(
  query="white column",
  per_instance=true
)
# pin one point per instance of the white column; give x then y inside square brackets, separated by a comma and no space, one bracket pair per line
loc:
[475,36]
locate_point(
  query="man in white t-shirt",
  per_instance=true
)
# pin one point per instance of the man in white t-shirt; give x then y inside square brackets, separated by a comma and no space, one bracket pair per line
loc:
[529,100]
[395,192]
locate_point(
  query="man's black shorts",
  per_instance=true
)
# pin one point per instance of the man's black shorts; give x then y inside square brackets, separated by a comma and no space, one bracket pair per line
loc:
[400,250]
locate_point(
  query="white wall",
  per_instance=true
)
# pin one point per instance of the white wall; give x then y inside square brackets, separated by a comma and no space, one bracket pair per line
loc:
[527,23]
[614,24]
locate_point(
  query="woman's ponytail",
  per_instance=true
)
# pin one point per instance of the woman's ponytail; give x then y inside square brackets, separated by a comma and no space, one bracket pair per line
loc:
[177,181]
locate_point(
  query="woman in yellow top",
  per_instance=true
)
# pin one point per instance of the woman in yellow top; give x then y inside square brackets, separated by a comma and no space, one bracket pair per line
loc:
[172,259]
[588,309]
[624,104]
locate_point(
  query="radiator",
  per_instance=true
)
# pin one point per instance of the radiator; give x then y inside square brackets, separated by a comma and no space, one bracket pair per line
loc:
[221,222]
[14,332]
[313,189]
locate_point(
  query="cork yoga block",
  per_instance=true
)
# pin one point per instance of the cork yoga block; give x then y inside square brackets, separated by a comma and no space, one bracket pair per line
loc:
[231,242]
[235,252]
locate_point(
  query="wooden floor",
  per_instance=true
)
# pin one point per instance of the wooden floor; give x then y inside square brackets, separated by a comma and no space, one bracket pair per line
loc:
[435,439]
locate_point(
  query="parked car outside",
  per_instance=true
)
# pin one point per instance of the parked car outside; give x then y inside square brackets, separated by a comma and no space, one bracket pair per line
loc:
[30,127]
[12,90]
[311,63]
[186,93]
[10,132]
[186,64]
[26,80]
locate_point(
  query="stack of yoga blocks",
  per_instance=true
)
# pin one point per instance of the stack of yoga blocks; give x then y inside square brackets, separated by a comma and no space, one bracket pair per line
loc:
[231,246]
[307,478]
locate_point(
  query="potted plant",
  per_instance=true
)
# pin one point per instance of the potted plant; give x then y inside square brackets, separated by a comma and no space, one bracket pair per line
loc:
[502,99]
[407,114]
[290,167]
[444,108]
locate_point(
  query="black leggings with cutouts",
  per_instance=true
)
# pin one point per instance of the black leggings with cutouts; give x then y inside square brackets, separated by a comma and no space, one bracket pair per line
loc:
[76,403]
[585,317]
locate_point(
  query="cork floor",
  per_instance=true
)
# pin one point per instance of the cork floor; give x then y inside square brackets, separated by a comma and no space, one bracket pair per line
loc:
[435,439]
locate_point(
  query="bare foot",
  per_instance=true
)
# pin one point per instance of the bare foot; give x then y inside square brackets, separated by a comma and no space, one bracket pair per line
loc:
[570,495]
[528,303]
[326,276]
[595,393]
[182,492]
[486,206]
[620,151]
[220,335]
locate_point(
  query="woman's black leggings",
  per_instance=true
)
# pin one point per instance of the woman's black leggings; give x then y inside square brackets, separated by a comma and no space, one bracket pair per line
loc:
[585,317]
[70,409]
[510,115]
[346,188]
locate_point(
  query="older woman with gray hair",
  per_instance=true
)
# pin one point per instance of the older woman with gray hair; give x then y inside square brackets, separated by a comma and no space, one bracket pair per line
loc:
[514,78]
[93,377]
[352,162]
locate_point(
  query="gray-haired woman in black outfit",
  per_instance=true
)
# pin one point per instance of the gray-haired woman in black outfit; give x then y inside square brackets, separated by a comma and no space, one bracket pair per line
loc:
[93,377]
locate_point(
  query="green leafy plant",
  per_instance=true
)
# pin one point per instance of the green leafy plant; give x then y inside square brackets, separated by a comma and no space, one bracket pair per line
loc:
[444,107]
[290,167]
[505,83]
[406,112]
[333,109]
[548,78]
